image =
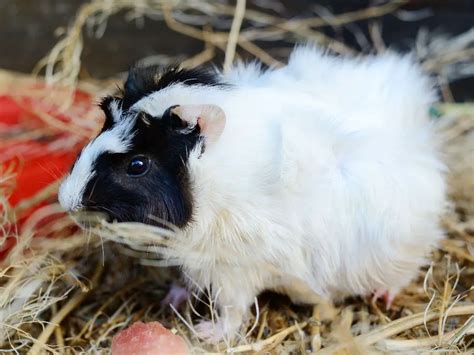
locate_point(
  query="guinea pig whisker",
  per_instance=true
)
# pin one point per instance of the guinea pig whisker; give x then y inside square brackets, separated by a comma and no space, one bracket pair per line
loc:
[93,188]
[50,171]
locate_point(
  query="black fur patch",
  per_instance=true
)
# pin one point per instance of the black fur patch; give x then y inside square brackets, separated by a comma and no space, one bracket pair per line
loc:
[144,81]
[164,192]
[105,106]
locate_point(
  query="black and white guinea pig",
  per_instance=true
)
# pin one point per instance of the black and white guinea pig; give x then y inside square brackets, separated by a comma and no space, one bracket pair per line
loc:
[319,179]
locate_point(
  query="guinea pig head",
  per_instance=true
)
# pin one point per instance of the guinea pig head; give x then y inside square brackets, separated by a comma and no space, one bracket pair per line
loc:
[136,168]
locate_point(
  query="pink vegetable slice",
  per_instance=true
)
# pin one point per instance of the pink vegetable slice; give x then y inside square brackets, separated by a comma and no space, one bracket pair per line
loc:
[148,339]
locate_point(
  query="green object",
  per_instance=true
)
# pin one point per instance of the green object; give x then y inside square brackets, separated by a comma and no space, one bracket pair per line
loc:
[435,112]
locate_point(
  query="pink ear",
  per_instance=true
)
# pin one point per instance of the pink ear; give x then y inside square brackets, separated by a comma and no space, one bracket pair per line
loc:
[210,118]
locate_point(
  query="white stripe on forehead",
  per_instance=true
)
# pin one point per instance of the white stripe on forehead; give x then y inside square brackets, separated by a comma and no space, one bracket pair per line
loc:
[177,94]
[115,140]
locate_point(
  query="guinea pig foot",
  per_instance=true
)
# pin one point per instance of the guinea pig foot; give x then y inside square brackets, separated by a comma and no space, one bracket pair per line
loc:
[386,296]
[176,296]
[210,332]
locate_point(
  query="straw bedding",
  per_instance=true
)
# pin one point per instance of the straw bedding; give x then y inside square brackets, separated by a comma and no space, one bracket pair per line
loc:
[64,290]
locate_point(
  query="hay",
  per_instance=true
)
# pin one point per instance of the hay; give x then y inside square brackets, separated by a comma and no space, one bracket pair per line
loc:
[75,291]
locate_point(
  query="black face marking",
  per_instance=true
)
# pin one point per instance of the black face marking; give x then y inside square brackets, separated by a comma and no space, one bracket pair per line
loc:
[161,191]
[144,81]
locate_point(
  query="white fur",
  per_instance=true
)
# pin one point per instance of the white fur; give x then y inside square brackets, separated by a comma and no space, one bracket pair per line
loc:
[115,140]
[326,181]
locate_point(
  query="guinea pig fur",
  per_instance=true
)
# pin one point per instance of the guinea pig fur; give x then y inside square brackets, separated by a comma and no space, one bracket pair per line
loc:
[321,179]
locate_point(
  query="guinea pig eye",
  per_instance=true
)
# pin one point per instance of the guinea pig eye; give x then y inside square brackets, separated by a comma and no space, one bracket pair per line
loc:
[138,166]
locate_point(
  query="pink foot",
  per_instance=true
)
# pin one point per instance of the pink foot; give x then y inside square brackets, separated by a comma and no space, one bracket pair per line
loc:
[176,296]
[385,295]
[210,332]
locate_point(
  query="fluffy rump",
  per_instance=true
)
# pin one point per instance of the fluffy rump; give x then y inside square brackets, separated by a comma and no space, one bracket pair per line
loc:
[327,183]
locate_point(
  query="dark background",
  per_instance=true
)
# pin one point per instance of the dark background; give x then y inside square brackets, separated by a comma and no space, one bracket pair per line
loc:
[28,32]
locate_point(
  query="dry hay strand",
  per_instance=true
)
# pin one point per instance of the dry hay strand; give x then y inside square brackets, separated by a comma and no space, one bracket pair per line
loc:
[195,19]
[72,293]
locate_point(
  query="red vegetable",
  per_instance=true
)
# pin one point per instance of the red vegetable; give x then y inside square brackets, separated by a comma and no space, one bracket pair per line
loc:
[148,339]
[41,152]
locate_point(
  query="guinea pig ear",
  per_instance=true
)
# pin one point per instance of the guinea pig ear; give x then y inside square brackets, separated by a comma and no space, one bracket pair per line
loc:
[209,118]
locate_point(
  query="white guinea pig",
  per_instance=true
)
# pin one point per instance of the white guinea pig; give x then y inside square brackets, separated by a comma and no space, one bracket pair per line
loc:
[319,179]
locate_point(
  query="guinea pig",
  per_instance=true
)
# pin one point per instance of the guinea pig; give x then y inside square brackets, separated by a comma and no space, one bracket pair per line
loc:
[321,179]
